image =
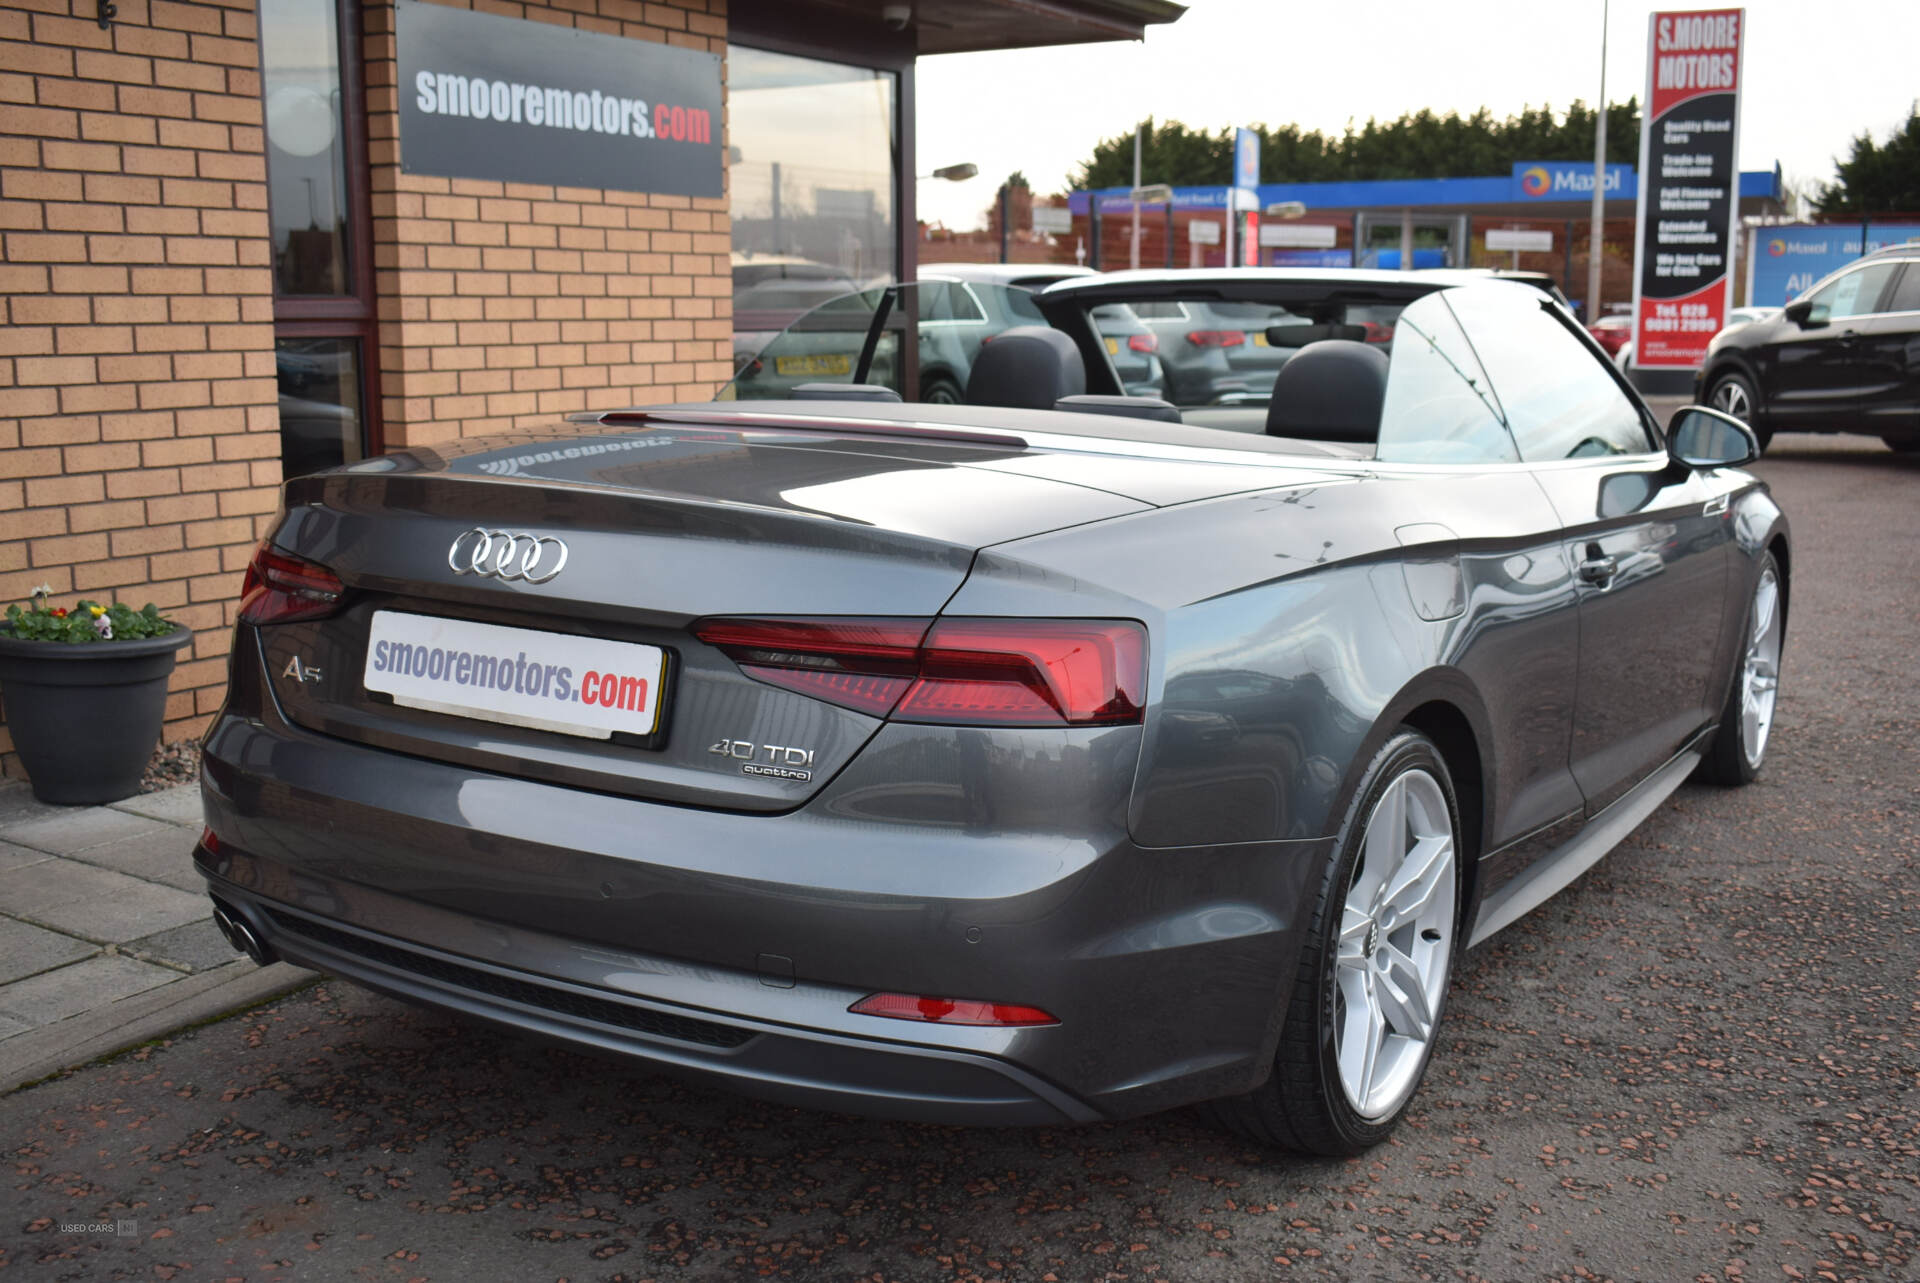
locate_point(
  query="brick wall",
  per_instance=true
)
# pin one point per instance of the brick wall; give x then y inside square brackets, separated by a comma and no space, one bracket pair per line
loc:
[139,444]
[503,304]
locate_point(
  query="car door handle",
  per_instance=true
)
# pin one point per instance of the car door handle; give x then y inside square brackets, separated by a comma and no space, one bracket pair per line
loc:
[1599,570]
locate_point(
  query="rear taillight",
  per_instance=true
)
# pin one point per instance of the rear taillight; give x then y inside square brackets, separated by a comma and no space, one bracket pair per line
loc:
[1144,342]
[951,1011]
[954,672]
[1376,332]
[864,664]
[1216,338]
[280,587]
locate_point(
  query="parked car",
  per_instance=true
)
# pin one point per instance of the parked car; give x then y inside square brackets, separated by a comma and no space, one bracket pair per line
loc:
[952,320]
[1612,333]
[1623,355]
[1130,345]
[772,291]
[1843,357]
[998,762]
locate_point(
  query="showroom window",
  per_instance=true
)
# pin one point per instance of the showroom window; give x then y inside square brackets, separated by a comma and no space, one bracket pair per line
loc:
[318,210]
[814,177]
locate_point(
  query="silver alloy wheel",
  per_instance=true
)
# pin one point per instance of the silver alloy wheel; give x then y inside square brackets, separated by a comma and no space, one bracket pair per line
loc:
[1730,397]
[1760,672]
[1396,939]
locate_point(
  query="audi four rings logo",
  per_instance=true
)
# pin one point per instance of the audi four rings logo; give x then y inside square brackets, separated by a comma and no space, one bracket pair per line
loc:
[507,554]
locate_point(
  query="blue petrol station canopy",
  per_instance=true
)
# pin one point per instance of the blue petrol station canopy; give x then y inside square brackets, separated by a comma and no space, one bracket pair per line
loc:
[1558,187]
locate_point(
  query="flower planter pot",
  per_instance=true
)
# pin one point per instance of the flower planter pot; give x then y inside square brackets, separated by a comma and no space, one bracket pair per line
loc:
[85,718]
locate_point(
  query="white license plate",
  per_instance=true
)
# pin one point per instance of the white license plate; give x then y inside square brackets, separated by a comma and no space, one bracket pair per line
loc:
[550,681]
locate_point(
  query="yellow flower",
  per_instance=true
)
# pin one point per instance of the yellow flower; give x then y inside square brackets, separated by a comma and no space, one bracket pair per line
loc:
[97,611]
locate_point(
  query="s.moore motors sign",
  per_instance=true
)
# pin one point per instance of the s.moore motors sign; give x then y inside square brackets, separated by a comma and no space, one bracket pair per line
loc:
[484,96]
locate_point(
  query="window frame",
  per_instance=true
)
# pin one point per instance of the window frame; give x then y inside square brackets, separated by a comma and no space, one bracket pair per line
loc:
[354,314]
[1885,294]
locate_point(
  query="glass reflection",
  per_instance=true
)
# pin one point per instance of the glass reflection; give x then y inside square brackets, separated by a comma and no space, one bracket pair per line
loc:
[812,181]
[306,162]
[319,403]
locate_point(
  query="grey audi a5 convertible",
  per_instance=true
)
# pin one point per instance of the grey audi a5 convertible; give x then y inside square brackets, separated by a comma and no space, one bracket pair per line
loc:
[1057,756]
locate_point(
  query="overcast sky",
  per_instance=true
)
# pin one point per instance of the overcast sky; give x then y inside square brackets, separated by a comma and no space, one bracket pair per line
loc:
[1816,75]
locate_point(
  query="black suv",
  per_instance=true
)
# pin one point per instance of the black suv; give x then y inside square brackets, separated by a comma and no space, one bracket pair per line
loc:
[1843,357]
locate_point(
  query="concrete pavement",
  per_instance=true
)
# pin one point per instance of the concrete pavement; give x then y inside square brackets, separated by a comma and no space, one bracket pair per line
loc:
[106,934]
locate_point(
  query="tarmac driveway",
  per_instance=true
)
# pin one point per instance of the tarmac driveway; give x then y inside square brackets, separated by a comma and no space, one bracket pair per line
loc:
[1698,1063]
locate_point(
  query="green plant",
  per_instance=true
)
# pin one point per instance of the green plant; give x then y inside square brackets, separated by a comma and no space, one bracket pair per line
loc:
[87,621]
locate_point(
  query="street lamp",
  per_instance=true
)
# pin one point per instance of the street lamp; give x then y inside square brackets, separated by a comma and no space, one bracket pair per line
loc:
[954,173]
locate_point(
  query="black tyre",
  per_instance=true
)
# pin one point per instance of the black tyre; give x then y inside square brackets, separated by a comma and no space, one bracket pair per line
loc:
[1739,747]
[1733,393]
[940,390]
[1366,1004]
[1903,445]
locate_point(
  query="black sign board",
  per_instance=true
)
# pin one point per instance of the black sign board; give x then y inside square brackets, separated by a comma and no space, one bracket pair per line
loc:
[483,96]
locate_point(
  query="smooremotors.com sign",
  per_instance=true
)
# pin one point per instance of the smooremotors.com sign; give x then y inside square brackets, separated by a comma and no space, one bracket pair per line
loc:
[483,96]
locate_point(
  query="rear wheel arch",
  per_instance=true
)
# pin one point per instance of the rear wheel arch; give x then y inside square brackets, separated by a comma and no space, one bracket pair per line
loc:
[1453,733]
[1443,705]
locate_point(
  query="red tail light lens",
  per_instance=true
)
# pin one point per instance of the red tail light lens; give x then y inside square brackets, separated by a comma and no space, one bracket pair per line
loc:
[951,1011]
[953,672]
[862,664]
[1029,672]
[281,587]
[1144,342]
[1376,332]
[1216,338]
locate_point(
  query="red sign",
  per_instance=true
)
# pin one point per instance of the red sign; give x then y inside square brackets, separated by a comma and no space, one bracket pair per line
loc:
[1689,185]
[1250,247]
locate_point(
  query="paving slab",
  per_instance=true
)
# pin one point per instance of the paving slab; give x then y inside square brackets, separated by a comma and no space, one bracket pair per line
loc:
[153,1013]
[95,904]
[26,950]
[14,857]
[78,828]
[165,856]
[80,987]
[198,946]
[175,805]
[17,803]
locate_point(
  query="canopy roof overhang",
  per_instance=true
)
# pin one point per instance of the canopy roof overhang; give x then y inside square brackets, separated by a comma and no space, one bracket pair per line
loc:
[970,26]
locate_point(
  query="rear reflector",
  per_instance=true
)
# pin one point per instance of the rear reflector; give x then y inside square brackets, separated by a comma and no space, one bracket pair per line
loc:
[953,672]
[950,1011]
[280,587]
[1216,338]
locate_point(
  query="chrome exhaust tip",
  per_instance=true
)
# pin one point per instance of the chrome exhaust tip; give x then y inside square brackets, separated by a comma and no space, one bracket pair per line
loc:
[238,934]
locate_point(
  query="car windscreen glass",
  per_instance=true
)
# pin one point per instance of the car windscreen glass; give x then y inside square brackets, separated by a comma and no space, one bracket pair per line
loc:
[949,322]
[1559,398]
[1439,404]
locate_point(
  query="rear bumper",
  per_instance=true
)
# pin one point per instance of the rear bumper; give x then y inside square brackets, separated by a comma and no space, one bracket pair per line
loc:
[795,1066]
[731,945]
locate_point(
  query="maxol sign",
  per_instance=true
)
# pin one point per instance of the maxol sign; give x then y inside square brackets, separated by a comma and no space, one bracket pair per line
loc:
[1568,180]
[1785,262]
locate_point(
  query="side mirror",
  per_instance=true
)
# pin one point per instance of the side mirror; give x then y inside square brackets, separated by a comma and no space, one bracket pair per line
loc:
[1699,437]
[1799,311]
